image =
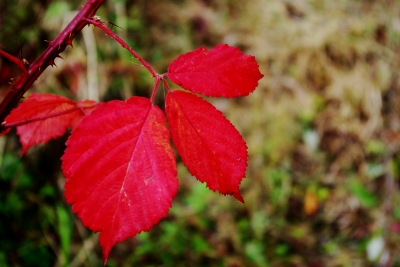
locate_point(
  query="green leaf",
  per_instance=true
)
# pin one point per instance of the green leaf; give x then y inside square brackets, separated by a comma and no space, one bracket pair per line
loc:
[254,251]
[375,147]
[199,244]
[56,9]
[366,198]
[65,233]
[375,170]
[282,249]
[397,212]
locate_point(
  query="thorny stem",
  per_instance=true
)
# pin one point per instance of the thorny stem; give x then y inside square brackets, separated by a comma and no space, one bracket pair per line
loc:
[48,116]
[22,84]
[108,31]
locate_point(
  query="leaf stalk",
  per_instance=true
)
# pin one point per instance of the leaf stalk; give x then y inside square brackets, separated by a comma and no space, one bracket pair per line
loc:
[96,22]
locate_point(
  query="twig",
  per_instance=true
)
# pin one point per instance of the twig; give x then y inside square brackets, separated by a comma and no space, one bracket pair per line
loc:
[96,22]
[17,61]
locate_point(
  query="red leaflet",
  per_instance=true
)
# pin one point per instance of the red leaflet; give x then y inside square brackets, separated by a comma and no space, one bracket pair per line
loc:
[44,116]
[120,170]
[221,71]
[210,146]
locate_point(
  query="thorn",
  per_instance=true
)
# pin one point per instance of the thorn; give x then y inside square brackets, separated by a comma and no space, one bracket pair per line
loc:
[69,42]
[12,81]
[96,18]
[50,43]
[59,56]
[52,63]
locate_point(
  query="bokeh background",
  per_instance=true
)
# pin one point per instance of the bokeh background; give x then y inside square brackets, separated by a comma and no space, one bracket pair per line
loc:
[322,128]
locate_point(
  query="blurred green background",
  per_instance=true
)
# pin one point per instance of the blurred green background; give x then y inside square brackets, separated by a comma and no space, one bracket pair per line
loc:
[323,131]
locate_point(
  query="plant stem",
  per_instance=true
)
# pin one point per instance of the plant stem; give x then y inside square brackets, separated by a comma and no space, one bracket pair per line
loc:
[22,84]
[166,85]
[108,31]
[14,59]
[153,94]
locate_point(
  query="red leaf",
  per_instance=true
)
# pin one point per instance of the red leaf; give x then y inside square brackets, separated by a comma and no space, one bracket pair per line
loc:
[210,146]
[39,127]
[120,170]
[221,71]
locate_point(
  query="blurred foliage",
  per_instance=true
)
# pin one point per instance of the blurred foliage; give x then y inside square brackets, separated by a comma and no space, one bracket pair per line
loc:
[323,132]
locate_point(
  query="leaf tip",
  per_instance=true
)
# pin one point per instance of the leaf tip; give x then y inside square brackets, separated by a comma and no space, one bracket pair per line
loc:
[105,248]
[238,196]
[4,131]
[24,150]
[105,259]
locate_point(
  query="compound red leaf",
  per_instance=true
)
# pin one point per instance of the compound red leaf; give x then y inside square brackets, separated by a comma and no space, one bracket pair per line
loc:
[37,112]
[120,170]
[210,146]
[221,71]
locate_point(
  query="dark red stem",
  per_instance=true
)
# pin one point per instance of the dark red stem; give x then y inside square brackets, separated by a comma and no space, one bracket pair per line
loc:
[166,85]
[153,94]
[109,32]
[15,60]
[47,58]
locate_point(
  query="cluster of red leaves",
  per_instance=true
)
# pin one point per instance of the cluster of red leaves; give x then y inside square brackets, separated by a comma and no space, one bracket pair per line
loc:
[119,166]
